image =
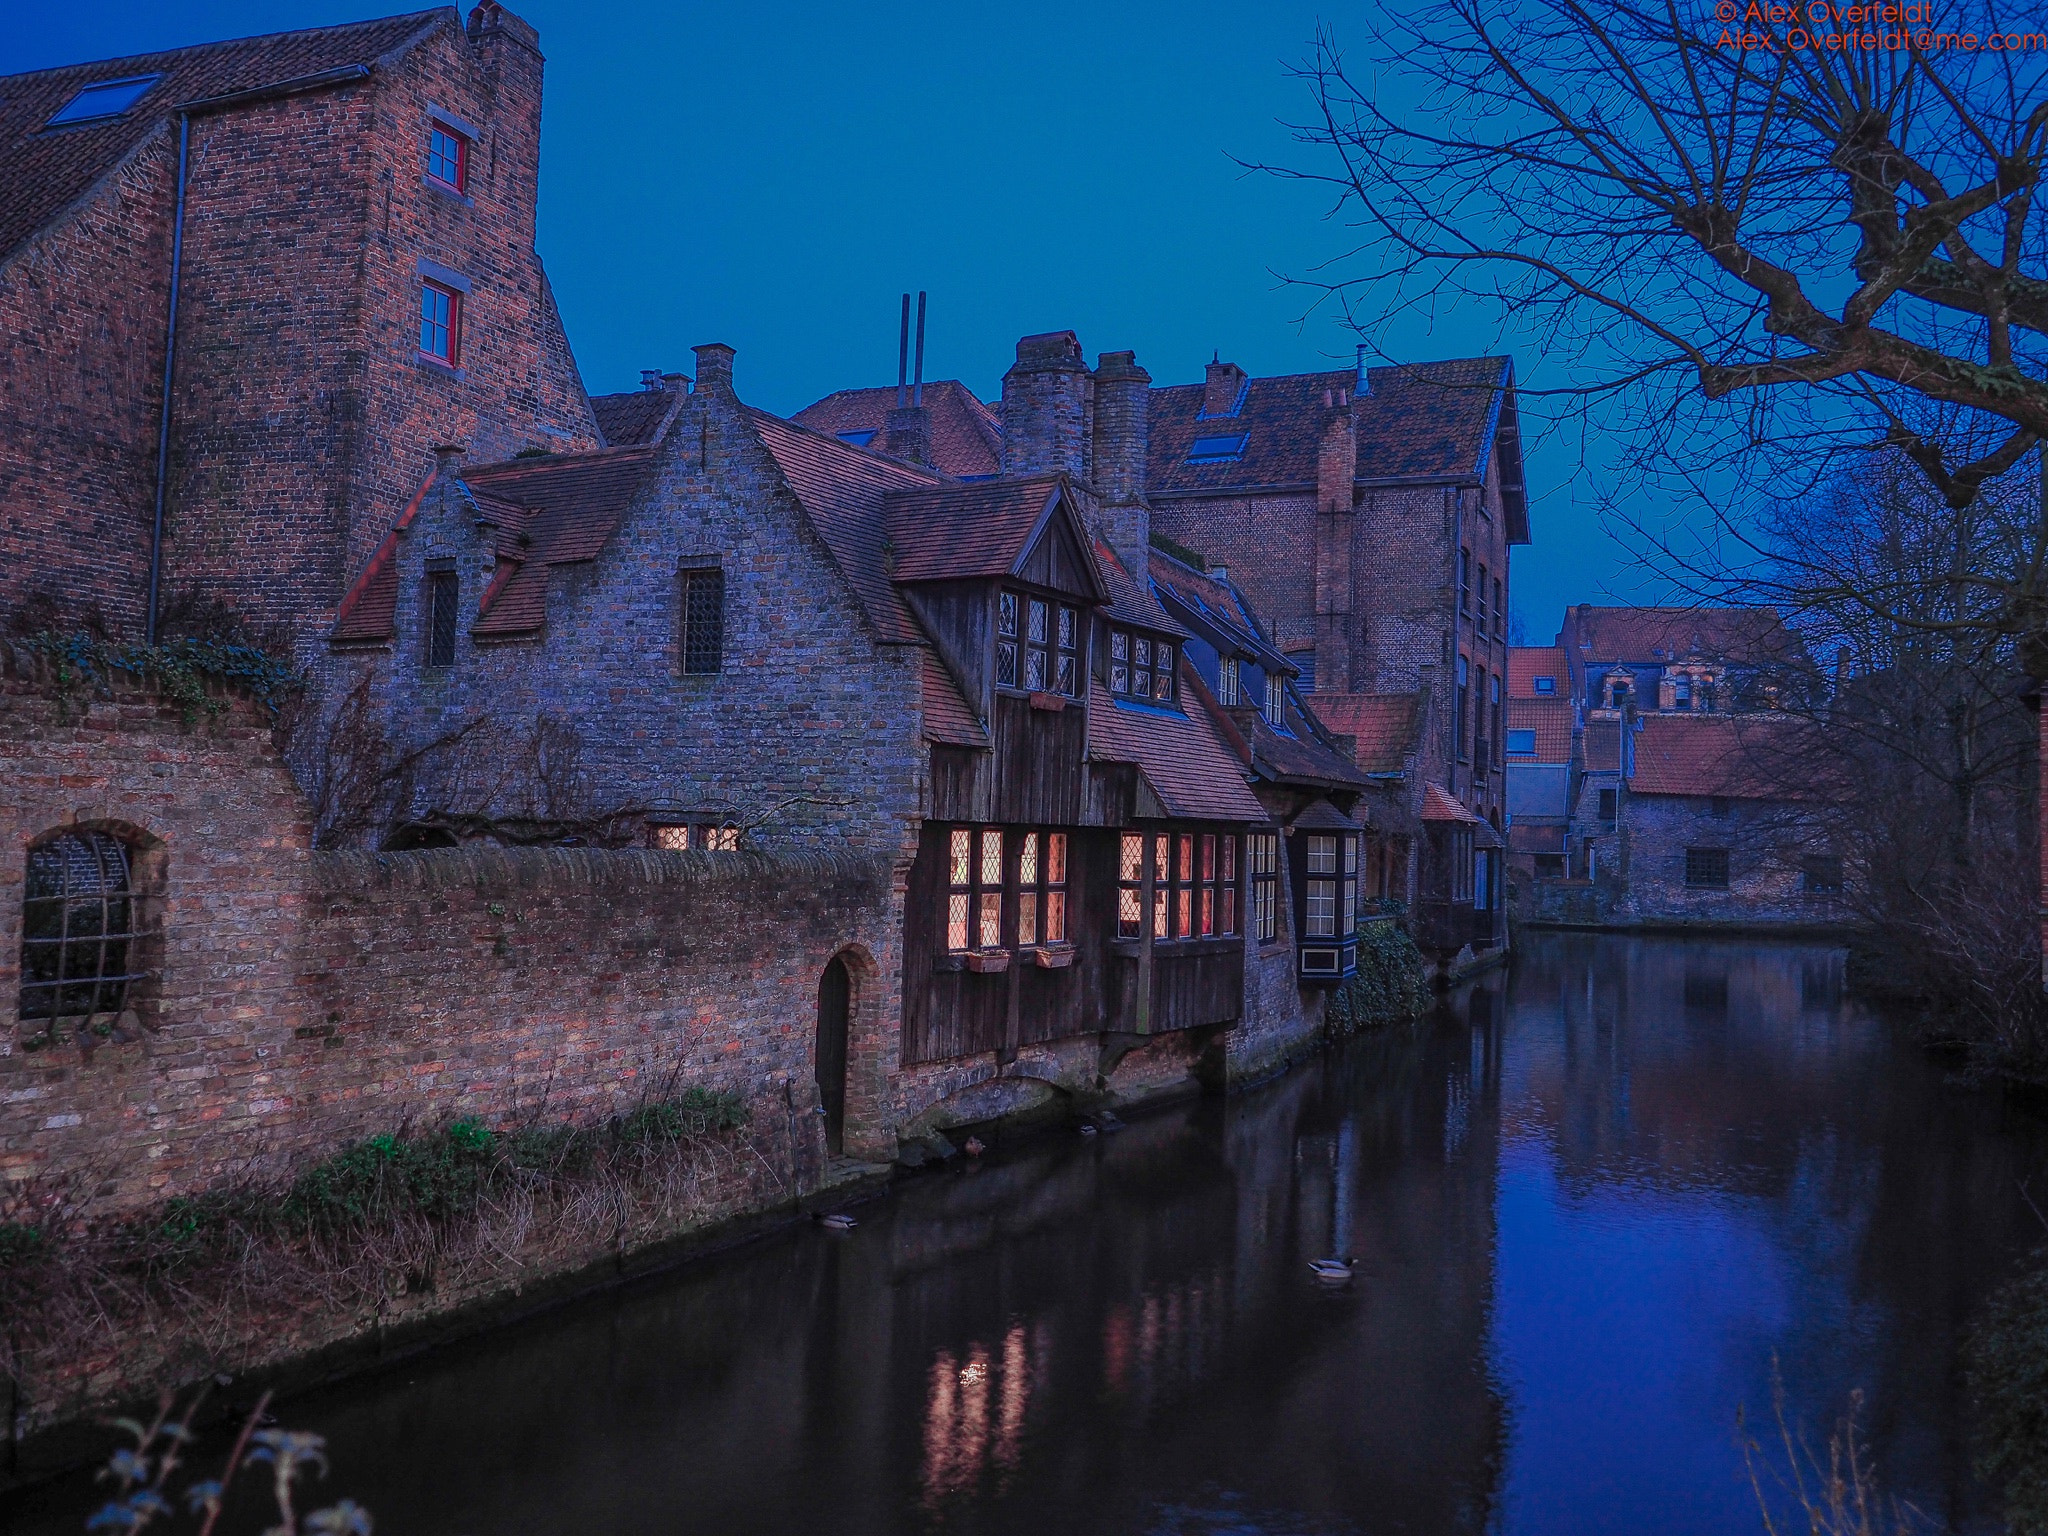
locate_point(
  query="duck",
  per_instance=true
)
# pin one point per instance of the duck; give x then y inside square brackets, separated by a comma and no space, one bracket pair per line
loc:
[1332,1271]
[973,1147]
[836,1221]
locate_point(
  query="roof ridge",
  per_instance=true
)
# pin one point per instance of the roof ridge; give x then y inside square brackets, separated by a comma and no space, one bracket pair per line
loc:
[934,481]
[230,42]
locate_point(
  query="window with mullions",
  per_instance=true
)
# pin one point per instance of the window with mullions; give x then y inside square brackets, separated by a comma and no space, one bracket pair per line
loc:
[1038,645]
[707,837]
[440,323]
[1707,868]
[78,932]
[1332,868]
[976,866]
[1140,667]
[703,621]
[1229,683]
[1262,860]
[448,157]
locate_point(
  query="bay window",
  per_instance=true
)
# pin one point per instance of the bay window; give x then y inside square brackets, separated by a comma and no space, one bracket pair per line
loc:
[980,862]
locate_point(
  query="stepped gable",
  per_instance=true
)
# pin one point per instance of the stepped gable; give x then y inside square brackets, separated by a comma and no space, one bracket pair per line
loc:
[966,435]
[46,170]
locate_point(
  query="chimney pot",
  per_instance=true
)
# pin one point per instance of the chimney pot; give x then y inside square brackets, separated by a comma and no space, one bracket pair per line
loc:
[679,383]
[448,458]
[650,378]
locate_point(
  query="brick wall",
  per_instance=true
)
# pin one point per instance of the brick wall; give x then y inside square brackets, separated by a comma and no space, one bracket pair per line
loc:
[1765,841]
[305,1000]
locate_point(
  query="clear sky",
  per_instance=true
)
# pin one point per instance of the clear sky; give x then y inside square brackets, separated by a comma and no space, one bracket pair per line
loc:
[773,176]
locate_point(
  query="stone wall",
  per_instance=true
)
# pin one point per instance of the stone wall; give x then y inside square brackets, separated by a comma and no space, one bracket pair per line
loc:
[301,1001]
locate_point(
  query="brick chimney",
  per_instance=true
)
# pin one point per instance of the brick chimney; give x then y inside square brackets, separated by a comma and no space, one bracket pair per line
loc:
[1225,385]
[1047,407]
[508,48]
[714,368]
[1336,472]
[908,434]
[448,460]
[1123,396]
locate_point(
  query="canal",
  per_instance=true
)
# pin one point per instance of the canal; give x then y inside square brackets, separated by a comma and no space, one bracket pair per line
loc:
[1593,1206]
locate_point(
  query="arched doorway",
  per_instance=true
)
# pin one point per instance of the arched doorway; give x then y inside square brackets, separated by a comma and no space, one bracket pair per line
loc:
[835,999]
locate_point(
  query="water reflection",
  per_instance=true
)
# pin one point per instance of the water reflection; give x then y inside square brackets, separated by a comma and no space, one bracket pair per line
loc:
[1588,1204]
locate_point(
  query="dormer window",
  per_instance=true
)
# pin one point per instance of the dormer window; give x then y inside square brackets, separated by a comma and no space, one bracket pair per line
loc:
[1230,683]
[1140,667]
[1275,705]
[1038,644]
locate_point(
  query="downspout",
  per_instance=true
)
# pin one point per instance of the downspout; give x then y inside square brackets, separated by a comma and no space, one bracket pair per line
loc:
[163,424]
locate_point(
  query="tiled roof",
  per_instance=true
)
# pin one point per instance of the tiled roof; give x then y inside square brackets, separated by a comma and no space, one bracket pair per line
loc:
[946,715]
[572,503]
[1383,726]
[842,490]
[634,416]
[1439,804]
[1525,838]
[966,437]
[1216,606]
[1128,601]
[46,171]
[1190,770]
[1422,420]
[1737,757]
[1551,720]
[1753,635]
[1528,662]
[952,532]
[368,607]
[1603,746]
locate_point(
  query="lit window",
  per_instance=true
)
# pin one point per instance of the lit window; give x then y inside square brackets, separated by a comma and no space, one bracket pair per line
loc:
[1130,882]
[703,622]
[448,158]
[974,888]
[108,98]
[440,323]
[1041,889]
[78,930]
[1194,885]
[1225,448]
[705,837]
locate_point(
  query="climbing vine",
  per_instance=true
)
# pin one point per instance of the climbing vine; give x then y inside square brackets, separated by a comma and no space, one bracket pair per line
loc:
[187,671]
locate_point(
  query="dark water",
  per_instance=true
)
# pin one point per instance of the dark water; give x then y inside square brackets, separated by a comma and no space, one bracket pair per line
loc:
[1589,1206]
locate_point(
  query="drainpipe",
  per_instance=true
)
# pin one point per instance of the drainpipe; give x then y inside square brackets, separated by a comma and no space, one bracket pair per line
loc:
[163,422]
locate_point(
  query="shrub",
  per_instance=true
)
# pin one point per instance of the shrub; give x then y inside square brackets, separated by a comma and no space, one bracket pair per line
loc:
[2009,1374]
[1389,987]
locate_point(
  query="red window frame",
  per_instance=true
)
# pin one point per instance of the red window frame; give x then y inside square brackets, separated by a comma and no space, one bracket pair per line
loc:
[446,328]
[437,131]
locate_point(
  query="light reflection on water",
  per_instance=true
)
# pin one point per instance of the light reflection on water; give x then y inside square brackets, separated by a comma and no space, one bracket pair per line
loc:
[1590,1204]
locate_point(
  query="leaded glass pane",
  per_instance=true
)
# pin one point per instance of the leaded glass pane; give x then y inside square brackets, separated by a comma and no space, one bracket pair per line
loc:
[1006,614]
[961,856]
[1027,860]
[991,919]
[991,857]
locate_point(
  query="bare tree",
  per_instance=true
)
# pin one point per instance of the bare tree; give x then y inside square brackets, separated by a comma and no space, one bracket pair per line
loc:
[1750,244]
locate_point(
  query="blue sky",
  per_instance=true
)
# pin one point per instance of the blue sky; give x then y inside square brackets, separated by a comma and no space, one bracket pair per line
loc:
[774,175]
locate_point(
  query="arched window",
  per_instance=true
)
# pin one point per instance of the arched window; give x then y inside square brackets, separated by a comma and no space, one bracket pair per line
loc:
[78,934]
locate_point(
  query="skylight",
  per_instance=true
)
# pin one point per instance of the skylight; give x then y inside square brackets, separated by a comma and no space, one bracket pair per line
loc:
[859,439]
[1223,449]
[108,98]
[1545,684]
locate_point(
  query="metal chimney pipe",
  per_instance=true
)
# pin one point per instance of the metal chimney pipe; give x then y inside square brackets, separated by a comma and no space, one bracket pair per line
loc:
[917,390]
[903,354]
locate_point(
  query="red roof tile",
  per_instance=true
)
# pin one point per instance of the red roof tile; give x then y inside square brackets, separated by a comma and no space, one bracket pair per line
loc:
[1422,420]
[1526,663]
[1737,757]
[1439,804]
[1128,600]
[1551,720]
[842,490]
[1190,770]
[966,438]
[44,172]
[1383,726]
[946,715]
[635,416]
[1603,746]
[561,509]
[952,532]
[1753,635]
[367,608]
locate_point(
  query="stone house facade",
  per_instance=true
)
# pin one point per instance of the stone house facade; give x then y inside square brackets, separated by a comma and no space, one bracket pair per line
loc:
[315,192]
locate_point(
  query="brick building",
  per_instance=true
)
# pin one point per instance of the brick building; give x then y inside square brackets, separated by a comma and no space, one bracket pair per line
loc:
[348,213]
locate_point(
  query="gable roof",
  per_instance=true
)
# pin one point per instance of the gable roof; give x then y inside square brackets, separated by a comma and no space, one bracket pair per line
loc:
[947,717]
[953,532]
[1421,422]
[1736,757]
[1439,804]
[842,490]
[1551,720]
[1597,636]
[966,437]
[1384,727]
[635,416]
[1215,611]
[1526,663]
[1184,762]
[46,171]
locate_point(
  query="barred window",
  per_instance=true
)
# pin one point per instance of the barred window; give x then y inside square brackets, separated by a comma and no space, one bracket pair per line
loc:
[703,621]
[1707,868]
[444,592]
[78,932]
[709,837]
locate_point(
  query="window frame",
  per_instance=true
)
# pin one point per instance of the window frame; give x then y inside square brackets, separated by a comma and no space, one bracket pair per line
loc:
[129,931]
[1126,648]
[451,325]
[440,621]
[1229,682]
[1061,639]
[1262,870]
[1516,734]
[459,183]
[694,836]
[1009,872]
[1707,869]
[700,634]
[1822,874]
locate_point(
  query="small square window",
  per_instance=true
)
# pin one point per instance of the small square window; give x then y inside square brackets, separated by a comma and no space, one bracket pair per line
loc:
[448,158]
[440,323]
[1545,685]
[1707,868]
[1823,874]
